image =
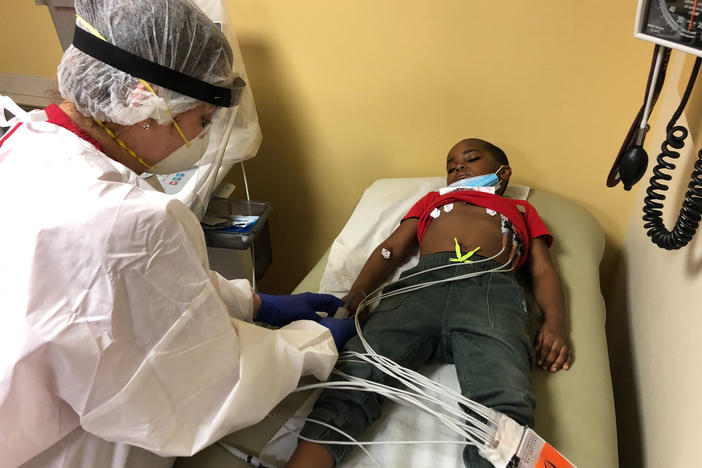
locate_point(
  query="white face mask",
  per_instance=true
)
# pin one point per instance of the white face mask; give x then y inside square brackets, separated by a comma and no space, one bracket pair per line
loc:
[184,157]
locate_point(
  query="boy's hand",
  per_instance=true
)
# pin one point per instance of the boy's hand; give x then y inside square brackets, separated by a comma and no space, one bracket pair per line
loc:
[353,307]
[352,300]
[553,351]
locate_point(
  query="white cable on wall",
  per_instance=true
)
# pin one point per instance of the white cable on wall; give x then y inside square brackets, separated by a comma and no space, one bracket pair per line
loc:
[253,248]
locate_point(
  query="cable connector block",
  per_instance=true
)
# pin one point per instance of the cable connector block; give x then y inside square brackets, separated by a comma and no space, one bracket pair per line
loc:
[505,225]
[535,452]
[507,439]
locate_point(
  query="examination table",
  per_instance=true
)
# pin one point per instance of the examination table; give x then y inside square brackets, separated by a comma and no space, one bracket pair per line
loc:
[575,409]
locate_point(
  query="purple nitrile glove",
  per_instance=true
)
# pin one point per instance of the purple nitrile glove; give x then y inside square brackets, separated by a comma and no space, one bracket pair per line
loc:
[342,330]
[281,310]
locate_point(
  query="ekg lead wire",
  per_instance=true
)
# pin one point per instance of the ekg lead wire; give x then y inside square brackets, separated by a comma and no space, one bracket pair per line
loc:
[243,456]
[480,409]
[352,441]
[372,298]
[406,398]
[253,248]
[485,432]
[432,283]
[414,399]
[505,227]
[480,428]
[412,379]
[360,444]
[404,278]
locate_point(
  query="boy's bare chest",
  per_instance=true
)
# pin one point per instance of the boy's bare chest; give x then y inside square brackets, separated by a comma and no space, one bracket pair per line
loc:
[472,226]
[471,217]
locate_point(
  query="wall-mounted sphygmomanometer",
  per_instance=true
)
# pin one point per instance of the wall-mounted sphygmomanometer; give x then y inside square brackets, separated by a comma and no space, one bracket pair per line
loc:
[670,24]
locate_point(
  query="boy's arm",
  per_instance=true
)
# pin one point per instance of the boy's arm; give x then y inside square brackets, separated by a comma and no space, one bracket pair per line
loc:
[401,242]
[552,346]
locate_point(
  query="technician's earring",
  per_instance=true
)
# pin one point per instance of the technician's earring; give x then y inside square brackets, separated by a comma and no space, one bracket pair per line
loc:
[146,125]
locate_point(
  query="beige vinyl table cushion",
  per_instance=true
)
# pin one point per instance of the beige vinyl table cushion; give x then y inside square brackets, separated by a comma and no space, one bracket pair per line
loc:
[575,409]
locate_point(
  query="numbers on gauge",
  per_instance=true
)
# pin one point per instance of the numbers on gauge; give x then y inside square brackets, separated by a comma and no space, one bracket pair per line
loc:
[681,16]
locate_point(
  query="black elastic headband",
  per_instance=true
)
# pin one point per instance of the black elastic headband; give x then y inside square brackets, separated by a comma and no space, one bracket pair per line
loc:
[155,73]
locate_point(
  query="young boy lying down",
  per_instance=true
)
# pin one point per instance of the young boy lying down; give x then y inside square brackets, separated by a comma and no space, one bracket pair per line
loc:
[480,324]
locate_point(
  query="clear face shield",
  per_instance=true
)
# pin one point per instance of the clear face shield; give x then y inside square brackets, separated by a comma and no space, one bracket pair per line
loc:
[233,134]
[194,186]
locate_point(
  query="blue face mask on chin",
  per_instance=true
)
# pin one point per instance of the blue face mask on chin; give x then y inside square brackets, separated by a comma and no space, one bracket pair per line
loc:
[485,180]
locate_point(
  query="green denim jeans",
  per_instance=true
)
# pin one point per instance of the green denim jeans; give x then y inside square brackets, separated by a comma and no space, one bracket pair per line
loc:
[479,324]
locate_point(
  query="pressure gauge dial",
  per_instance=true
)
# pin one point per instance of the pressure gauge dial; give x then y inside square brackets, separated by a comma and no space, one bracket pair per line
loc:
[673,23]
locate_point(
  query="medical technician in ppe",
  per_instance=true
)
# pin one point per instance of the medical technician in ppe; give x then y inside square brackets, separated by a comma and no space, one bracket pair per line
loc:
[118,345]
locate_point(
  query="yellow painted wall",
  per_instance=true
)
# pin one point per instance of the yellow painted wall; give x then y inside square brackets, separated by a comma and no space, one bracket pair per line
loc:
[30,45]
[352,91]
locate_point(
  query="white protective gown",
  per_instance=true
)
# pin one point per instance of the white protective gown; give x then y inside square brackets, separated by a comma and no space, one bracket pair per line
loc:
[114,333]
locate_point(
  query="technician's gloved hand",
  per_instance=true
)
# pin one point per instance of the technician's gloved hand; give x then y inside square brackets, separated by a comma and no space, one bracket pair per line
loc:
[281,310]
[342,330]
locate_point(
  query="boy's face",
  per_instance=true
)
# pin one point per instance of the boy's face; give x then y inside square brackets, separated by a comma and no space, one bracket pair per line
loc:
[469,158]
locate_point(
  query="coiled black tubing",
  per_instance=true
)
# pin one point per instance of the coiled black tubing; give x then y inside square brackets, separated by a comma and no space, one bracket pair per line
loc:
[691,211]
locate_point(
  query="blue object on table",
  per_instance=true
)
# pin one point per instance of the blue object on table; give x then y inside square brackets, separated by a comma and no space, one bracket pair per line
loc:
[242,223]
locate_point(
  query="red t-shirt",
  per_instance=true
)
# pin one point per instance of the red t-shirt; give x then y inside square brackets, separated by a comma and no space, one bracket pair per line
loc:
[524,218]
[59,117]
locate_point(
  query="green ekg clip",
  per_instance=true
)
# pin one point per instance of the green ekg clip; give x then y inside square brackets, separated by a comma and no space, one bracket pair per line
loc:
[460,257]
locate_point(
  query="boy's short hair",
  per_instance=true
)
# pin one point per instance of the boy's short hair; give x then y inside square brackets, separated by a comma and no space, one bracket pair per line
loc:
[496,153]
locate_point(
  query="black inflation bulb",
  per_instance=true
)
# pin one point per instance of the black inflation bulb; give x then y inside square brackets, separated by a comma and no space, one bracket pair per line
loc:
[633,165]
